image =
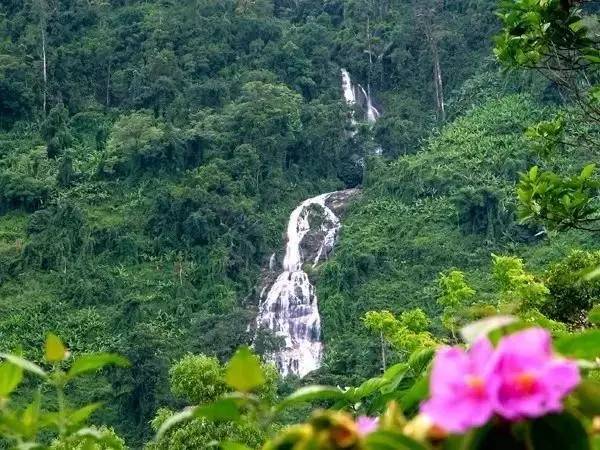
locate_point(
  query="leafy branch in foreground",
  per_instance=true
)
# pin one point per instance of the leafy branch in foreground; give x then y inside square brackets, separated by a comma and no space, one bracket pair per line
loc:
[510,382]
[560,202]
[30,427]
[556,38]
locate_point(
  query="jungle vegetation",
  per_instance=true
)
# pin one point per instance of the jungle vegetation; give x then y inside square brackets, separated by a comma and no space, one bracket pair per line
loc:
[151,152]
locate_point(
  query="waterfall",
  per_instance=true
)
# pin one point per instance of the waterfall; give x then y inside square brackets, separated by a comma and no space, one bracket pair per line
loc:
[348,88]
[372,112]
[290,307]
[363,99]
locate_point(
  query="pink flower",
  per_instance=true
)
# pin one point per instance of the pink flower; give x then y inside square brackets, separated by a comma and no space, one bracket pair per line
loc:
[461,394]
[529,380]
[366,424]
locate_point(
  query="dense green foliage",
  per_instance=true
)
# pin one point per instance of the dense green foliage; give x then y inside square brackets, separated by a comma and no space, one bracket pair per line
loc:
[151,152]
[451,205]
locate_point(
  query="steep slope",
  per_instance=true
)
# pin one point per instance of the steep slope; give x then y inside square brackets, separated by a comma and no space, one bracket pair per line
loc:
[449,206]
[151,153]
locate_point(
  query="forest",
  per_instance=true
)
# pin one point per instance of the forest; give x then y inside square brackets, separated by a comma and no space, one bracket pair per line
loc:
[441,154]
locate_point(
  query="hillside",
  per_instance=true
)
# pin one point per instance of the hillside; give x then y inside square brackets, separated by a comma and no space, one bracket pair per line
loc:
[152,151]
[450,206]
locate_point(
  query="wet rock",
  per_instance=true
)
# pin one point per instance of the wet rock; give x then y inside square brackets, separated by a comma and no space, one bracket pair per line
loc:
[288,304]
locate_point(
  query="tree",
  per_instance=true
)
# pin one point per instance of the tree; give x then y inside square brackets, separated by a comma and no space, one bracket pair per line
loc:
[197,379]
[404,334]
[108,440]
[427,14]
[200,379]
[557,38]
[135,140]
[517,287]
[55,130]
[572,294]
[41,11]
[560,202]
[454,298]
[268,116]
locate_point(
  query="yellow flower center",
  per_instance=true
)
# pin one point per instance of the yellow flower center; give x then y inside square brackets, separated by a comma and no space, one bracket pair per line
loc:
[476,384]
[525,382]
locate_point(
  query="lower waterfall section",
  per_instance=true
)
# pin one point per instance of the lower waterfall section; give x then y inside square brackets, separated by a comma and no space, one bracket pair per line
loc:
[289,307]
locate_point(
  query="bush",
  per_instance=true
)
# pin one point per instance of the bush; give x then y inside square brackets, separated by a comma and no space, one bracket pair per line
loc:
[197,378]
[571,296]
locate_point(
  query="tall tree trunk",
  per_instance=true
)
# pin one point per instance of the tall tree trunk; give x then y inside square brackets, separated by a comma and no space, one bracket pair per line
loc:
[370,57]
[44,63]
[427,15]
[108,83]
[40,9]
[437,81]
[383,358]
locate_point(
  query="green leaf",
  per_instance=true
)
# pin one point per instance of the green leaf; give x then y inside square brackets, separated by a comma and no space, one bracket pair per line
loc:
[244,372]
[419,360]
[533,172]
[594,315]
[413,396]
[82,414]
[310,393]
[585,345]
[31,416]
[93,362]
[366,388]
[222,410]
[578,25]
[390,440]
[587,171]
[395,374]
[592,58]
[587,396]
[174,420]
[230,445]
[387,382]
[24,364]
[10,377]
[55,350]
[593,274]
[559,431]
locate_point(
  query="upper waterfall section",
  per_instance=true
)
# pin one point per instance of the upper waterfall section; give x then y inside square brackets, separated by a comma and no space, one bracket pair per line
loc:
[357,96]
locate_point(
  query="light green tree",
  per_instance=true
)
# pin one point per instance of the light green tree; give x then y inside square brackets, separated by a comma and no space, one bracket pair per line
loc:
[201,379]
[133,137]
[519,290]
[404,334]
[108,440]
[454,298]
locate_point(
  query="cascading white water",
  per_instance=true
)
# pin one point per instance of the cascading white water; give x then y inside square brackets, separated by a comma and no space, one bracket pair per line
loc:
[365,100]
[289,307]
[372,112]
[348,88]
